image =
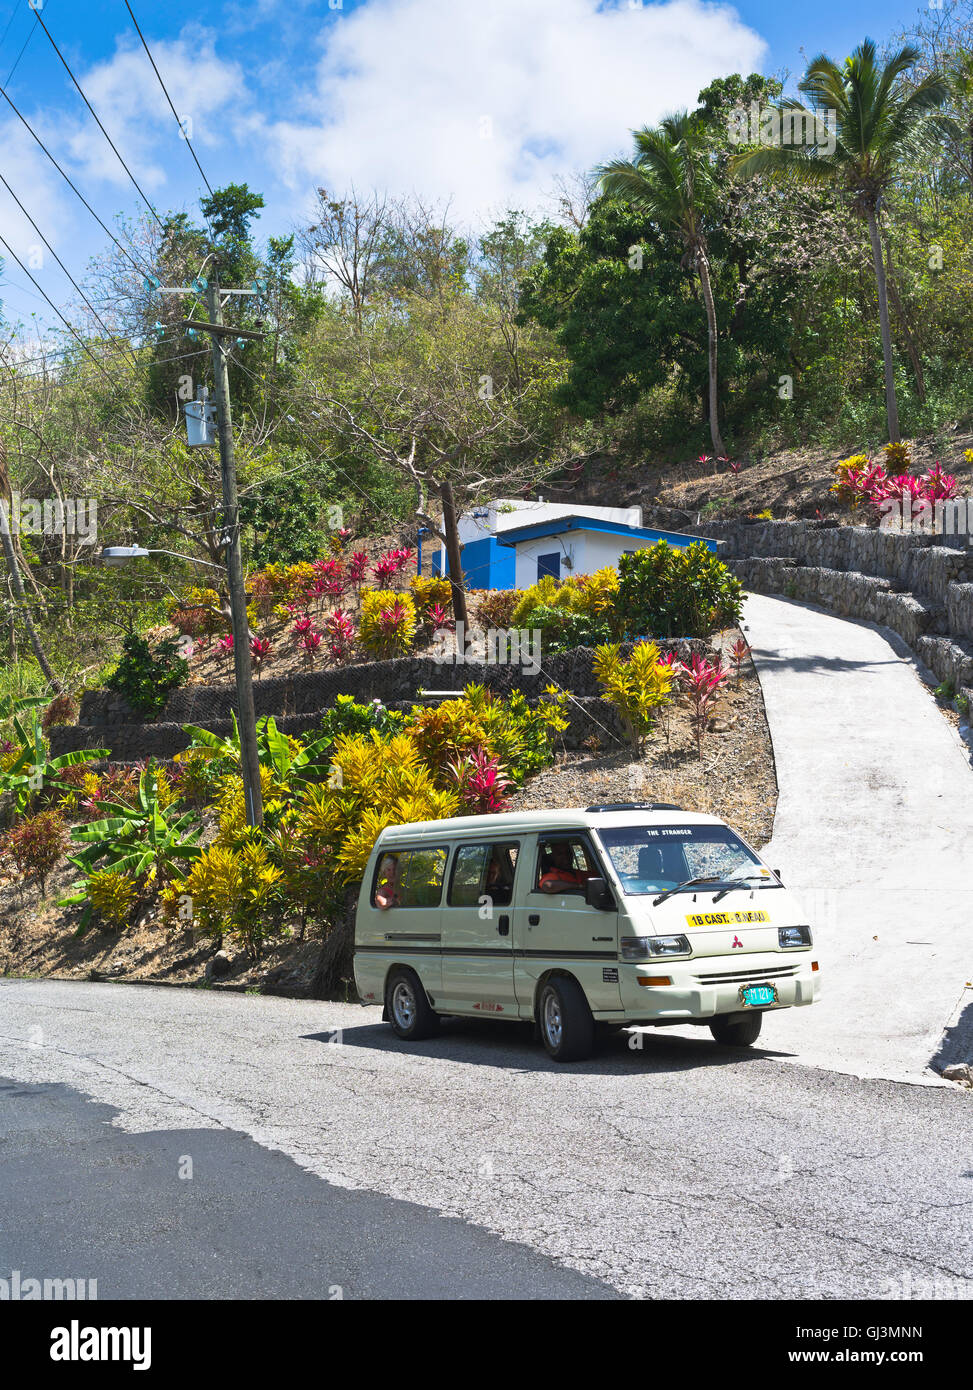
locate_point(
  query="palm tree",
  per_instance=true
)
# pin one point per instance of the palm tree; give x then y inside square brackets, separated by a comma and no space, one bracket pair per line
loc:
[875,118]
[671,179]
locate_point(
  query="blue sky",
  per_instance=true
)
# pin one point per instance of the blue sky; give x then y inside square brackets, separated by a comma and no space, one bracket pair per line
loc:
[481,102]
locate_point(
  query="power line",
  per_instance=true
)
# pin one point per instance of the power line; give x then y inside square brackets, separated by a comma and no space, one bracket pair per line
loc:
[97,317]
[13,16]
[57,311]
[107,230]
[23,48]
[63,352]
[98,122]
[169,99]
[29,385]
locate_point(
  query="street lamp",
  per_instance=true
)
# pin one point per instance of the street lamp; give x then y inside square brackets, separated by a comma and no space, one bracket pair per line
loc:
[120,554]
[116,555]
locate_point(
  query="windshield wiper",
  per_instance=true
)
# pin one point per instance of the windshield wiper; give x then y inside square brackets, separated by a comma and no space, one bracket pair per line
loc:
[738,882]
[687,883]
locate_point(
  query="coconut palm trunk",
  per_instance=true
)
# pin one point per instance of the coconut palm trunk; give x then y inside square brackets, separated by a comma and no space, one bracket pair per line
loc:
[878,112]
[891,405]
[702,264]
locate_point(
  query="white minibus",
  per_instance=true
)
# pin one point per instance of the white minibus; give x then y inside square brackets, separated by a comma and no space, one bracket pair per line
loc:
[627,914]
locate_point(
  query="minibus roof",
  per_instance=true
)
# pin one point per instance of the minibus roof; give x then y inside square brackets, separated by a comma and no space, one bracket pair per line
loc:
[529,822]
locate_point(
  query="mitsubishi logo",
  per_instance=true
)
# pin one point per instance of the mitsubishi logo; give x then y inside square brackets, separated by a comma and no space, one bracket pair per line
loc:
[737,941]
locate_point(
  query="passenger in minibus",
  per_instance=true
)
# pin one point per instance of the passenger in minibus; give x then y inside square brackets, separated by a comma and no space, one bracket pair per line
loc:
[559,873]
[387,882]
[499,878]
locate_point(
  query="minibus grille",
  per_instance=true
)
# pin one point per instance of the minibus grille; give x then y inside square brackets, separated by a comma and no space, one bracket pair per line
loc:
[739,977]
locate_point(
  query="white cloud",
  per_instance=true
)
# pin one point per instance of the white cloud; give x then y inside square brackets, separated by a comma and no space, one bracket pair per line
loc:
[41,189]
[485,103]
[131,105]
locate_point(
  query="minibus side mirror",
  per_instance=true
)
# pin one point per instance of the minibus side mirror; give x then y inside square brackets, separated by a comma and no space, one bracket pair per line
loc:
[777,872]
[598,894]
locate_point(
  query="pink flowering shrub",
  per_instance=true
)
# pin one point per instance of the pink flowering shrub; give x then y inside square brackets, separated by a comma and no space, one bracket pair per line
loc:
[260,651]
[311,641]
[701,680]
[859,482]
[339,633]
[738,655]
[481,783]
[438,619]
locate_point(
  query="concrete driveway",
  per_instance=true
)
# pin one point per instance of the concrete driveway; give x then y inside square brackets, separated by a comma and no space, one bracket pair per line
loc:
[874,831]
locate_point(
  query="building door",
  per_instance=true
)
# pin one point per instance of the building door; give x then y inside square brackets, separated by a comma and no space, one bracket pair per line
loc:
[549,564]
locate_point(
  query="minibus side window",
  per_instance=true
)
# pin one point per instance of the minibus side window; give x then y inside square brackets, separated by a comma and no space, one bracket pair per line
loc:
[564,864]
[469,867]
[483,871]
[409,878]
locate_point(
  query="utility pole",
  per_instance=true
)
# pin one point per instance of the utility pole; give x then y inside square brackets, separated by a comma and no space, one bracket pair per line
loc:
[249,758]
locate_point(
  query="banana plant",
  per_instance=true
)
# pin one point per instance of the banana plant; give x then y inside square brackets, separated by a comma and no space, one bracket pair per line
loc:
[135,840]
[274,750]
[15,704]
[32,772]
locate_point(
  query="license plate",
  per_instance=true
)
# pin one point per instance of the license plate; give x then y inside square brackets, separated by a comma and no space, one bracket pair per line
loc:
[758,996]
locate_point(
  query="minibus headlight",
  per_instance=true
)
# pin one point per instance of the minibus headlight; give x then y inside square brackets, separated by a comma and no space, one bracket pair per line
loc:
[644,947]
[789,937]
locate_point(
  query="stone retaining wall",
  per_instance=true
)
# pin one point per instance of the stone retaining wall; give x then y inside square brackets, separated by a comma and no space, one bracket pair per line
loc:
[915,584]
[298,701]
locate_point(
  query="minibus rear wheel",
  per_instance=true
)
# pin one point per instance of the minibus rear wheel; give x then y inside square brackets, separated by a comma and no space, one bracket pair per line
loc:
[567,1028]
[733,1031]
[408,1008]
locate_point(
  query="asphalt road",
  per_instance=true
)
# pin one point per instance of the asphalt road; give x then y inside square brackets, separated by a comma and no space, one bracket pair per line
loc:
[325,1153]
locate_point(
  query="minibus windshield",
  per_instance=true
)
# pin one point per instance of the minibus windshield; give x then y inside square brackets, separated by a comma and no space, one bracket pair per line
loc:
[654,859]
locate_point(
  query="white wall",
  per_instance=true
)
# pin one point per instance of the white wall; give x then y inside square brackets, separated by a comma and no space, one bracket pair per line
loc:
[588,550]
[604,549]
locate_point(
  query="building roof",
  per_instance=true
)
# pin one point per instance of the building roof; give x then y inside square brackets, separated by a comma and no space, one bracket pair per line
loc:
[577,520]
[519,512]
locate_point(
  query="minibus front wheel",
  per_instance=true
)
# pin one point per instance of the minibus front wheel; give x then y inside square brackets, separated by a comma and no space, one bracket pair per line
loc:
[407,1006]
[736,1030]
[564,1018]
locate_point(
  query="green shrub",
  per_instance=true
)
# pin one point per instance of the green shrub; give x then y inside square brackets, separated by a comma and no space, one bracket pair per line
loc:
[665,592]
[144,677]
[348,717]
[236,892]
[637,688]
[561,629]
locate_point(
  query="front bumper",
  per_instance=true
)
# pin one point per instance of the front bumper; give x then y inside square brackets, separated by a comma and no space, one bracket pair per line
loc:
[705,986]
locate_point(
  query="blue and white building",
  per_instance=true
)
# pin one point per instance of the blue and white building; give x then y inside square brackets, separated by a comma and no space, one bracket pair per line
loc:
[510,544]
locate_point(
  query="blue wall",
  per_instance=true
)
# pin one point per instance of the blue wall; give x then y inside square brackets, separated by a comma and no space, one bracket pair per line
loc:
[486,564]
